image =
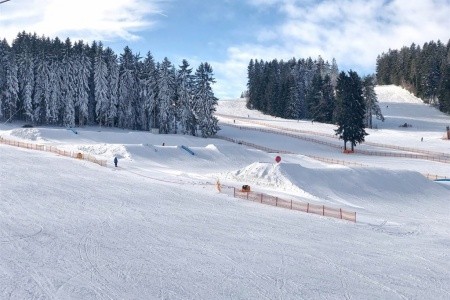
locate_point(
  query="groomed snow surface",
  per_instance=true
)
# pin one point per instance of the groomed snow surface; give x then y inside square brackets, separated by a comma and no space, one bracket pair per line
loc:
[156,227]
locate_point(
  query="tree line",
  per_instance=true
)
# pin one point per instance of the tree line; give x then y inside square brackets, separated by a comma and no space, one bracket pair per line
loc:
[47,81]
[314,90]
[424,71]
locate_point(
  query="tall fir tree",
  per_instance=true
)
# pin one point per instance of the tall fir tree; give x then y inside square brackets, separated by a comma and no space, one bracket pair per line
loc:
[112,86]
[205,101]
[127,89]
[188,121]
[166,95]
[350,109]
[101,86]
[82,73]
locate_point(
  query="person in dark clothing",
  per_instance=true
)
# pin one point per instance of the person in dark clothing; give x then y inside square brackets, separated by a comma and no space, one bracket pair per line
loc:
[115,161]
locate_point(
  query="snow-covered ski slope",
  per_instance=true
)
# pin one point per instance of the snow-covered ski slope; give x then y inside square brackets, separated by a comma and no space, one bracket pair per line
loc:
[155,227]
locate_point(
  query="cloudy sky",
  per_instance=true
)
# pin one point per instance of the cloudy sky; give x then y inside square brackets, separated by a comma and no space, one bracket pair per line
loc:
[228,33]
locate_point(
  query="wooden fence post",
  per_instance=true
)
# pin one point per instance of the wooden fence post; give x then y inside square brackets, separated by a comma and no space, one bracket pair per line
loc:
[234,192]
[323,210]
[307,207]
[340,212]
[276,201]
[261,197]
[291,203]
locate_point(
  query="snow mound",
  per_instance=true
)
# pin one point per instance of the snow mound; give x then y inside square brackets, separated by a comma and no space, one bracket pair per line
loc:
[267,175]
[31,134]
[337,185]
[395,94]
[101,150]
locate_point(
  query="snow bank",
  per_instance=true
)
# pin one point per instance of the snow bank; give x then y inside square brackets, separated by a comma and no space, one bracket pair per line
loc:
[395,94]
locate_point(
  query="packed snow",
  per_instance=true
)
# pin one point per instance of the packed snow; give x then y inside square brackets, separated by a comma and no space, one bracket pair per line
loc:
[156,227]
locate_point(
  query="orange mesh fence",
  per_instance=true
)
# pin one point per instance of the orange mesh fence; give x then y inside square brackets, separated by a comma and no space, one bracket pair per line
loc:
[53,149]
[290,204]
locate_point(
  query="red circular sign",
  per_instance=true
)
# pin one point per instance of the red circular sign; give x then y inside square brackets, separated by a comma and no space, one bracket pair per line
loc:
[278,158]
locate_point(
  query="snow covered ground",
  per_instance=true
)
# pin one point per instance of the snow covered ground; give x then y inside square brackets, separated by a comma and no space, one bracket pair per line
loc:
[156,227]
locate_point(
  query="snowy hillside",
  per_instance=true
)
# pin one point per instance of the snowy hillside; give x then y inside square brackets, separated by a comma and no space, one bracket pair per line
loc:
[156,226]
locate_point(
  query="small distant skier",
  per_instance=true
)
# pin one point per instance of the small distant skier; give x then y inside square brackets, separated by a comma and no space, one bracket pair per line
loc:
[116,161]
[421,139]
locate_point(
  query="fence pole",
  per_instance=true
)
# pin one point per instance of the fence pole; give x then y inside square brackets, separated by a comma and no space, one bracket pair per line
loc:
[340,212]
[307,208]
[261,197]
[323,210]
[234,192]
[276,201]
[291,203]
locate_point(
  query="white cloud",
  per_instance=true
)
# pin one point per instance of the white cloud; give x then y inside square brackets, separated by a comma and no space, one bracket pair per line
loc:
[83,19]
[352,31]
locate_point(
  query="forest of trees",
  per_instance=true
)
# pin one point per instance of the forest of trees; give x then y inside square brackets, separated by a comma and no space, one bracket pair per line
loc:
[314,90]
[296,89]
[424,71]
[47,81]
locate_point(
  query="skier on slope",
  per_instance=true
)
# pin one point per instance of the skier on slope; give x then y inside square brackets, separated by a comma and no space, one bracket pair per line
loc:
[116,161]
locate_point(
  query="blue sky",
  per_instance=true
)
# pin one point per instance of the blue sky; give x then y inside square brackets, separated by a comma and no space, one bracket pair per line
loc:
[228,33]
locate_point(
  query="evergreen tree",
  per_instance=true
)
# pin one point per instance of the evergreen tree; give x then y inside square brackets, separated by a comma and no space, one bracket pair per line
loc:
[112,80]
[82,72]
[67,84]
[147,92]
[350,109]
[127,89]
[444,88]
[26,74]
[9,84]
[166,95]
[371,101]
[41,95]
[101,87]
[188,121]
[205,101]
[55,93]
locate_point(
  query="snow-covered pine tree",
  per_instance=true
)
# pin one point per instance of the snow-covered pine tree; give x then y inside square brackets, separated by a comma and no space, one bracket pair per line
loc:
[55,92]
[67,85]
[100,86]
[370,97]
[10,88]
[205,101]
[4,52]
[166,96]
[185,97]
[127,89]
[26,84]
[334,73]
[41,95]
[146,101]
[112,86]
[82,69]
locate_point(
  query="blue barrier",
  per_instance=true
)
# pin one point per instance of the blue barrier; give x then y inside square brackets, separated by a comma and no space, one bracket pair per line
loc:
[73,130]
[187,149]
